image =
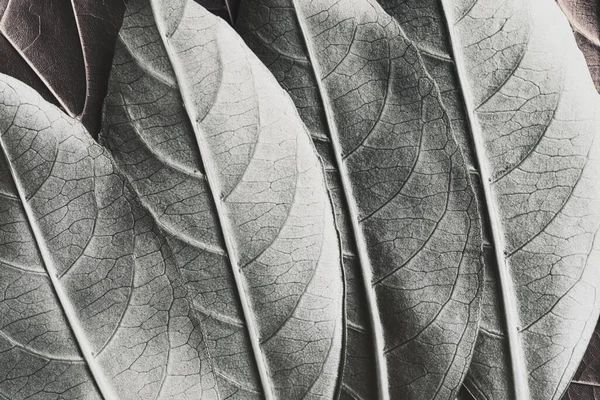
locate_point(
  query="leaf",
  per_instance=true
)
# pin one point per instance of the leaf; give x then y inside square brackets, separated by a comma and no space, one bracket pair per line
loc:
[584,17]
[91,304]
[220,157]
[533,116]
[586,382]
[14,65]
[226,9]
[406,211]
[69,45]
[515,77]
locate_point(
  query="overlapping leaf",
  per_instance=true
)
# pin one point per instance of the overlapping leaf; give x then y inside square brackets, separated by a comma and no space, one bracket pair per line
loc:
[63,49]
[237,292]
[404,205]
[91,304]
[537,113]
[532,114]
[14,65]
[586,382]
[529,133]
[584,16]
[220,157]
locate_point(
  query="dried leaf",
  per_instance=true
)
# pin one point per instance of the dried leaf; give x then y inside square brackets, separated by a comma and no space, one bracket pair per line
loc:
[69,45]
[584,16]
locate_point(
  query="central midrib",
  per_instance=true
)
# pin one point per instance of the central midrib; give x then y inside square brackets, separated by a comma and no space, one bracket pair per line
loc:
[517,359]
[361,247]
[104,389]
[224,222]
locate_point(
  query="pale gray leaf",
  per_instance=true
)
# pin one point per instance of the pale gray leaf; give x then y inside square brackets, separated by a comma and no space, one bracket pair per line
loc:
[406,211]
[91,304]
[532,119]
[218,154]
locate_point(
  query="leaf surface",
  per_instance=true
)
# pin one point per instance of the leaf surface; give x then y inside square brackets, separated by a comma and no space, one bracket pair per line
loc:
[532,135]
[404,206]
[218,154]
[585,385]
[91,304]
[14,65]
[584,16]
[68,45]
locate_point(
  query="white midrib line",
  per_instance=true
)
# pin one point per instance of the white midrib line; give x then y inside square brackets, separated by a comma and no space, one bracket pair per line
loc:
[84,56]
[366,268]
[96,371]
[517,358]
[212,181]
[228,8]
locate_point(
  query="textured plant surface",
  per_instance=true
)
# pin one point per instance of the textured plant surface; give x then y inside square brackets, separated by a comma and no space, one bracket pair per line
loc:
[406,211]
[584,16]
[189,126]
[503,70]
[63,49]
[444,247]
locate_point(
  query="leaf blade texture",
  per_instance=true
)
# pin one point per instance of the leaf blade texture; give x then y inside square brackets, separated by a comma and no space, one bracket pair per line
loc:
[585,383]
[380,127]
[68,47]
[14,65]
[584,19]
[219,156]
[534,329]
[92,305]
[544,301]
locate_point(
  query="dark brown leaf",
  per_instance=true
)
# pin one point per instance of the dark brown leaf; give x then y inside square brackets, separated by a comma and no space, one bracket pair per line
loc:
[584,16]
[45,34]
[14,65]
[99,23]
[69,45]
[586,382]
